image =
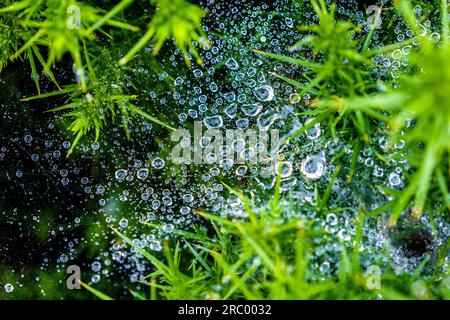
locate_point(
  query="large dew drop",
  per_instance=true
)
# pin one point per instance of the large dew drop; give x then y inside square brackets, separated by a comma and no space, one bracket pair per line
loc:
[314,166]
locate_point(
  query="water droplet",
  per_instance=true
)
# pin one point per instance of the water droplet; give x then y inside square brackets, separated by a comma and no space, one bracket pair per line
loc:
[331,219]
[9,288]
[156,246]
[294,98]
[313,167]
[28,138]
[198,73]
[121,174]
[63,258]
[266,119]
[242,123]
[435,37]
[264,93]
[368,162]
[96,266]
[185,210]
[232,64]
[95,278]
[123,223]
[158,163]
[314,132]
[285,168]
[378,172]
[168,228]
[178,81]
[95,146]
[343,235]
[325,267]
[251,110]
[100,189]
[394,179]
[188,198]
[231,110]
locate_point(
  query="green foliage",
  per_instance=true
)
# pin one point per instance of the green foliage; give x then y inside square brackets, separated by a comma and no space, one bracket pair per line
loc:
[267,256]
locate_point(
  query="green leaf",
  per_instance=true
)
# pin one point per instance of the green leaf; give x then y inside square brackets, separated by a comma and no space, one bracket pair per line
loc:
[96,292]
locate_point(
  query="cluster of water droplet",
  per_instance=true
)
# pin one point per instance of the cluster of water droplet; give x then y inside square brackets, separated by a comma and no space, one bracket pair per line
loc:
[138,190]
